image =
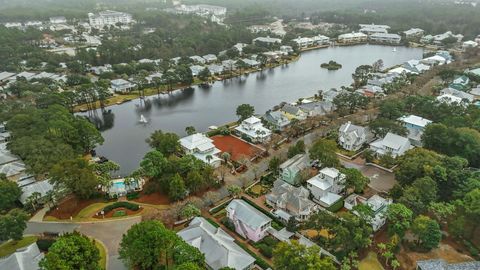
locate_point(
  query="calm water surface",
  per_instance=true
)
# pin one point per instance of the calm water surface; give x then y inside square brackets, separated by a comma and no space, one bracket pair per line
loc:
[201,108]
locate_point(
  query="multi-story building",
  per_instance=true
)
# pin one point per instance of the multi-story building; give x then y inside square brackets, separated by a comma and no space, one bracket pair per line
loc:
[326,186]
[253,129]
[108,17]
[352,38]
[371,29]
[201,147]
[385,38]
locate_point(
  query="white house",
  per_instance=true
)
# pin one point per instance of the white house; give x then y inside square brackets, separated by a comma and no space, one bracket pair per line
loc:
[457,93]
[391,144]
[108,17]
[290,201]
[352,38]
[267,40]
[413,33]
[385,38]
[450,99]
[326,186]
[210,58]
[201,147]
[415,126]
[219,248]
[58,20]
[469,44]
[121,85]
[249,222]
[352,137]
[253,128]
[371,29]
[378,204]
[26,258]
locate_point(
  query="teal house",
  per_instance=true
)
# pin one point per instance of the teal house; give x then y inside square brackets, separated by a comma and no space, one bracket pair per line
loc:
[290,170]
[460,83]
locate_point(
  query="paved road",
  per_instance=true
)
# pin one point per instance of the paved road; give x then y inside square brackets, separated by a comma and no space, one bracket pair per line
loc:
[108,232]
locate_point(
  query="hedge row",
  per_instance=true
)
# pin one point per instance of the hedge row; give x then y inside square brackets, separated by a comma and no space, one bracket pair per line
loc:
[336,206]
[128,205]
[259,261]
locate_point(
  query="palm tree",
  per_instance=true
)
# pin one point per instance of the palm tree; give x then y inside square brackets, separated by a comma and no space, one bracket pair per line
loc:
[395,264]
[33,199]
[209,158]
[226,157]
[387,255]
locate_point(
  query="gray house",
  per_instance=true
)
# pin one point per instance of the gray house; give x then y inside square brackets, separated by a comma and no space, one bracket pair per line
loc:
[276,119]
[289,201]
[26,258]
[219,248]
[290,169]
[352,137]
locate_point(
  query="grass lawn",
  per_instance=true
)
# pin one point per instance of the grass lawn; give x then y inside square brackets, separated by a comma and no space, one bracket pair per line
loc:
[90,210]
[11,246]
[103,254]
[370,263]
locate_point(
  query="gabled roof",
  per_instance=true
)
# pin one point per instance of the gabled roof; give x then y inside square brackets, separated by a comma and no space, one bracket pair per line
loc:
[42,187]
[294,198]
[219,248]
[291,109]
[247,214]
[348,127]
[23,259]
[440,264]
[392,141]
[195,141]
[415,120]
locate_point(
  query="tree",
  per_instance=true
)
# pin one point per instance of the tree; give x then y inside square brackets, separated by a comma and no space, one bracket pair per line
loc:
[355,180]
[166,143]
[325,152]
[292,224]
[298,148]
[427,232]
[189,211]
[149,245]
[350,102]
[471,204]
[76,175]
[72,251]
[441,210]
[392,109]
[176,188]
[190,130]
[194,181]
[399,219]
[294,256]
[9,193]
[420,194]
[234,190]
[204,75]
[226,157]
[13,224]
[274,165]
[381,126]
[244,111]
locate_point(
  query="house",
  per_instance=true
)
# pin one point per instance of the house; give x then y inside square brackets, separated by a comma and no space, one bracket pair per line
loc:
[229,65]
[325,186]
[463,96]
[151,79]
[98,70]
[13,170]
[460,83]
[331,94]
[239,47]
[450,99]
[391,144]
[202,148]
[371,29]
[290,201]
[215,69]
[286,49]
[378,204]
[428,39]
[253,129]
[219,248]
[30,185]
[26,258]
[439,39]
[385,38]
[413,33]
[293,112]
[121,85]
[352,137]
[249,222]
[58,20]
[210,58]
[440,264]
[266,40]
[196,69]
[290,170]
[371,91]
[107,18]
[5,155]
[352,38]
[198,59]
[316,108]
[415,126]
[475,92]
[4,76]
[250,62]
[276,119]
[469,44]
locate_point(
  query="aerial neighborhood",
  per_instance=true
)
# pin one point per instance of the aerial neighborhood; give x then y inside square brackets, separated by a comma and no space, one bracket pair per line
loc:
[229,135]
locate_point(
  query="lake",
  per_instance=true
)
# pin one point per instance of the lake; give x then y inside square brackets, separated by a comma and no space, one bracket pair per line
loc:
[201,108]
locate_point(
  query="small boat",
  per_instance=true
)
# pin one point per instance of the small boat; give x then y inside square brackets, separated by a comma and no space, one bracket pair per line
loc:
[143,119]
[394,49]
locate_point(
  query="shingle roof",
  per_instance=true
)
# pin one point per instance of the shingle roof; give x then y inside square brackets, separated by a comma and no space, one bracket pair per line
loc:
[23,259]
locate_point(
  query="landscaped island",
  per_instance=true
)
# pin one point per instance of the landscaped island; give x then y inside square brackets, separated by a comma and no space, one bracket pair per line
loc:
[331,65]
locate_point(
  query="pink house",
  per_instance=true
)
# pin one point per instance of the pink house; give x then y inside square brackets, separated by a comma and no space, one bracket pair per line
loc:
[249,222]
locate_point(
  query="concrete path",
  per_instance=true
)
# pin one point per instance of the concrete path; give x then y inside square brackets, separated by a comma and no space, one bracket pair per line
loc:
[38,217]
[108,232]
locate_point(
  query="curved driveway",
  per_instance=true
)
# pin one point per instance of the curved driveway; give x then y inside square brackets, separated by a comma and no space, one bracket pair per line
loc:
[108,232]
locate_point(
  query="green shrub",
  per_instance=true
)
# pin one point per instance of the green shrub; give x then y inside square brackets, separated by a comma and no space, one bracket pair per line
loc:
[127,205]
[266,250]
[259,261]
[133,196]
[336,206]
[226,221]
[44,244]
[215,224]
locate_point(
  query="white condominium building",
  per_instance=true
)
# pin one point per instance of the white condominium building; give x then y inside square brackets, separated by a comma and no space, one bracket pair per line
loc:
[108,17]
